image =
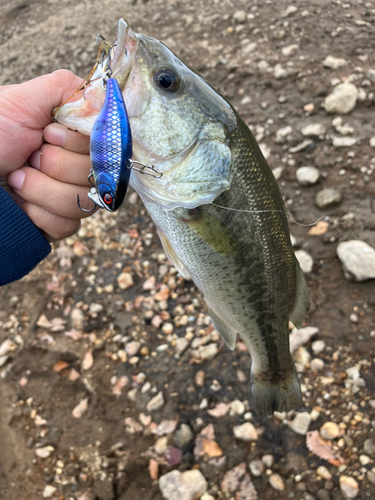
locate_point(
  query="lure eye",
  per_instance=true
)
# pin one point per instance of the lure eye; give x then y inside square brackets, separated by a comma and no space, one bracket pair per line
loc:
[167,79]
[108,199]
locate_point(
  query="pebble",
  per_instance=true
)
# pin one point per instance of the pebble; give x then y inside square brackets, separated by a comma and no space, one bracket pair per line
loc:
[364,459]
[245,432]
[369,446]
[327,197]
[305,261]
[277,172]
[289,50]
[277,482]
[343,142]
[237,407]
[342,100]
[49,491]
[240,16]
[207,496]
[300,423]
[371,476]
[199,378]
[156,402]
[132,348]
[208,351]
[283,133]
[167,328]
[317,365]
[329,431]
[279,73]
[334,62]
[181,344]
[268,460]
[44,452]
[372,142]
[307,176]
[323,472]
[81,408]
[77,319]
[125,281]
[314,130]
[289,11]
[256,467]
[348,486]
[318,346]
[188,485]
[161,445]
[358,260]
[183,436]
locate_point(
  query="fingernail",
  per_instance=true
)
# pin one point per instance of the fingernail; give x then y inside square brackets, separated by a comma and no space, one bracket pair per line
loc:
[55,134]
[34,160]
[16,178]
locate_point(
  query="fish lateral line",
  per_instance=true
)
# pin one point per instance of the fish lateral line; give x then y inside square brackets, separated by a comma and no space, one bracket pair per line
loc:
[326,218]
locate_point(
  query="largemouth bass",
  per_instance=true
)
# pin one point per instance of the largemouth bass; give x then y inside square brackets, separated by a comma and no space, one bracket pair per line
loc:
[217,207]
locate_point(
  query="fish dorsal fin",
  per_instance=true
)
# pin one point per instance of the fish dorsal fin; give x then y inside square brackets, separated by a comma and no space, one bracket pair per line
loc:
[227,333]
[302,301]
[172,256]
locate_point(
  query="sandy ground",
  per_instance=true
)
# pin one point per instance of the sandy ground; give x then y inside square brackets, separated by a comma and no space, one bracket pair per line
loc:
[106,453]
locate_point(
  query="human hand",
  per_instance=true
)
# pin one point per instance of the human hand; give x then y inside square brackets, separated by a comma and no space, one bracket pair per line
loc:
[58,169]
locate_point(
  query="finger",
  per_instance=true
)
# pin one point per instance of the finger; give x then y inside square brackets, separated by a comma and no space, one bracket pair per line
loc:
[62,165]
[54,196]
[68,139]
[54,226]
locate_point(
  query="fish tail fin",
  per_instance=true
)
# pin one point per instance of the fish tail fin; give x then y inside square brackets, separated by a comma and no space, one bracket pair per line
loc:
[280,395]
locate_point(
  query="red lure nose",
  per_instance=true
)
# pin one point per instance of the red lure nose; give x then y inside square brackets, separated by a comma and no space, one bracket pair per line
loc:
[107,199]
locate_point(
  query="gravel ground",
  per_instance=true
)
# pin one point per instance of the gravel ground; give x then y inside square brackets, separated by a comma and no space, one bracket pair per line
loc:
[113,382]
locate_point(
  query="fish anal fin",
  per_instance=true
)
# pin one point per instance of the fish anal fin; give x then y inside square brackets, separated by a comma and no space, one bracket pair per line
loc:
[302,301]
[227,333]
[172,256]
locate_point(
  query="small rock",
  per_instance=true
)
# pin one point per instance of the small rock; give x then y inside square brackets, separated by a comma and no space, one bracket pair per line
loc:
[173,455]
[364,459]
[371,74]
[348,487]
[81,408]
[77,318]
[167,328]
[161,445]
[305,261]
[369,446]
[314,130]
[245,432]
[256,467]
[87,361]
[132,426]
[277,172]
[318,346]
[358,260]
[240,16]
[132,348]
[207,496]
[328,197]
[268,460]
[156,402]
[125,280]
[307,176]
[181,344]
[49,491]
[183,436]
[289,50]
[95,308]
[277,482]
[188,485]
[237,407]
[317,365]
[334,62]
[165,427]
[371,476]
[44,452]
[372,142]
[324,473]
[343,142]
[208,351]
[280,73]
[292,9]
[342,100]
[199,378]
[329,431]
[300,423]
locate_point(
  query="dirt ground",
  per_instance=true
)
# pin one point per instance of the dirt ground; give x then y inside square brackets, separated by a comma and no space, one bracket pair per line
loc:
[69,324]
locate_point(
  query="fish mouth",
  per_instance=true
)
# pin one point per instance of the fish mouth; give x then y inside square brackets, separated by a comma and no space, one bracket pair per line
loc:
[81,115]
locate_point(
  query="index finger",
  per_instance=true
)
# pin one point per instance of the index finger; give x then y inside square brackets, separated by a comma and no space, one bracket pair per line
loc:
[58,135]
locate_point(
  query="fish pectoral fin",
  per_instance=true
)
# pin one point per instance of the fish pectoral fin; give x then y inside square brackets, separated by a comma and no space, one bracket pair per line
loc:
[302,301]
[172,256]
[226,332]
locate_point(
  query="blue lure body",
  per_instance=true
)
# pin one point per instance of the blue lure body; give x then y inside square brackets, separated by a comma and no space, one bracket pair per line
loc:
[111,150]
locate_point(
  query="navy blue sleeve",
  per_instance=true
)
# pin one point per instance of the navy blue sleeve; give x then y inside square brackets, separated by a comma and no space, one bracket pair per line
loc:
[22,245]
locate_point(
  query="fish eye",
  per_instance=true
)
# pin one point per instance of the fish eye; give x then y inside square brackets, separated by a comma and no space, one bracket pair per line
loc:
[108,199]
[167,79]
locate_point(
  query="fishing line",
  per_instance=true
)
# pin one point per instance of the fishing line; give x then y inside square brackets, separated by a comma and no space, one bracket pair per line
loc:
[324,217]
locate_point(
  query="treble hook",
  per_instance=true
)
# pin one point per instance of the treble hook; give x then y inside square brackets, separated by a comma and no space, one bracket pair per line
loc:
[83,209]
[143,168]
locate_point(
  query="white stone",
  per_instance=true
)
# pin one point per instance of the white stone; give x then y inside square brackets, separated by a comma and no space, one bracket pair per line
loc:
[307,176]
[49,491]
[334,62]
[208,351]
[343,142]
[256,467]
[358,260]
[342,100]
[289,50]
[372,142]
[277,172]
[348,486]
[327,197]
[156,402]
[283,133]
[318,346]
[240,16]
[189,485]
[323,472]
[238,407]
[277,482]
[314,130]
[305,261]
[300,423]
[181,344]
[317,365]
[289,11]
[279,72]
[329,431]
[245,432]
